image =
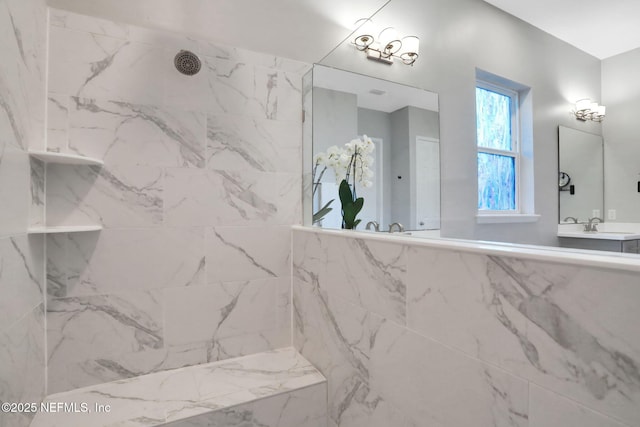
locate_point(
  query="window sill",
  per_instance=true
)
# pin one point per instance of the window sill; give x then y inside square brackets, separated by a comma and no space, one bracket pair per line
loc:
[506,218]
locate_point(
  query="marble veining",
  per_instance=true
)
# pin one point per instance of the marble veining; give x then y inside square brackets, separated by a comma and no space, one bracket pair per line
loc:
[154,399]
[242,88]
[622,370]
[109,196]
[259,144]
[123,133]
[500,333]
[83,330]
[22,282]
[36,211]
[6,105]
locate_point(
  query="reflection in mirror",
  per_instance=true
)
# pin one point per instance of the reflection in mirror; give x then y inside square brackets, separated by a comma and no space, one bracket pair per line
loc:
[580,174]
[402,183]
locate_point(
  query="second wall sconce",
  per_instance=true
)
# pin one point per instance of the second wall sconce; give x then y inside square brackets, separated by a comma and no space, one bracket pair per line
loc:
[387,45]
[586,110]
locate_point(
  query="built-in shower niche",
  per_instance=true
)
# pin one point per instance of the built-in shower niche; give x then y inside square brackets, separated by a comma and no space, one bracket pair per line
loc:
[41,161]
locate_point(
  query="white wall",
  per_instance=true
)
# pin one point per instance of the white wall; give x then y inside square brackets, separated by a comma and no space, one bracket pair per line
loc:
[457,36]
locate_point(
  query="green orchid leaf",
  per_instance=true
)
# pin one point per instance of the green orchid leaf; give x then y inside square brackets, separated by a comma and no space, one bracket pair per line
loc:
[344,191]
[357,205]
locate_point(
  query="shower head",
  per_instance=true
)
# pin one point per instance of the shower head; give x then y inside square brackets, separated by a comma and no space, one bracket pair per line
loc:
[187,63]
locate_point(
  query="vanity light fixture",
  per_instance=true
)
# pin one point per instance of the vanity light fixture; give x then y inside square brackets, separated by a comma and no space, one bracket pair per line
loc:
[586,110]
[387,45]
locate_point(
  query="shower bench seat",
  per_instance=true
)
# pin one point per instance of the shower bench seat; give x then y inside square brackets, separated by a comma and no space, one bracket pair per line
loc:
[277,389]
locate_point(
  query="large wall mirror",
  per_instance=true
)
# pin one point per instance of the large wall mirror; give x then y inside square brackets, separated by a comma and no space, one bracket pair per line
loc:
[580,175]
[401,122]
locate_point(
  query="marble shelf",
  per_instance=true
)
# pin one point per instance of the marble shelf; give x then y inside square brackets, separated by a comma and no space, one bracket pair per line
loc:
[64,158]
[63,229]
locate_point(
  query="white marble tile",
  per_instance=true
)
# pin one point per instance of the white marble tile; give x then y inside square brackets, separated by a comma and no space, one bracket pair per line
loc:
[579,328]
[126,134]
[22,359]
[14,113]
[220,198]
[87,332]
[370,274]
[237,54]
[237,87]
[548,409]
[217,311]
[173,395]
[239,143]
[95,66]
[252,311]
[190,93]
[247,253]
[288,199]
[116,260]
[222,348]
[15,189]
[290,98]
[37,187]
[300,408]
[168,357]
[335,336]
[284,306]
[88,24]
[131,365]
[564,327]
[58,122]
[450,299]
[111,196]
[23,45]
[422,377]
[21,281]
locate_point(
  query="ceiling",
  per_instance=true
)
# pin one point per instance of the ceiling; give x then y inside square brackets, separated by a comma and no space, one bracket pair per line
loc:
[600,28]
[309,29]
[305,30]
[372,93]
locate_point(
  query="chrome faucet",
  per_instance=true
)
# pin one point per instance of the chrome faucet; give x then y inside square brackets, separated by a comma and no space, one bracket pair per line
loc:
[591,225]
[574,219]
[375,225]
[399,226]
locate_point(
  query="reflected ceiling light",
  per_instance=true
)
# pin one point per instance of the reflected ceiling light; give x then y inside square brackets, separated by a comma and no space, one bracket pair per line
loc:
[387,45]
[586,110]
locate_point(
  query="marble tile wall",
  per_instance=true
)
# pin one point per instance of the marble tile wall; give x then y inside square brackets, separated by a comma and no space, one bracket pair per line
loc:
[200,185]
[22,92]
[409,335]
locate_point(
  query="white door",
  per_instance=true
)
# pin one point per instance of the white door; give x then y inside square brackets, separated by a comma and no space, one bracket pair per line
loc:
[427,183]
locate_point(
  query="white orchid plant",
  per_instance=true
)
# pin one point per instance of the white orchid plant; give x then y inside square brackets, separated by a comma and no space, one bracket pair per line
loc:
[351,164]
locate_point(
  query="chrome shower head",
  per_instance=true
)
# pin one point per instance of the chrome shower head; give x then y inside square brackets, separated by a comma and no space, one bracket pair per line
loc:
[187,62]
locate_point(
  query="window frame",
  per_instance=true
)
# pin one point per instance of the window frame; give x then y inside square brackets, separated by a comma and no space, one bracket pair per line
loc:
[515,151]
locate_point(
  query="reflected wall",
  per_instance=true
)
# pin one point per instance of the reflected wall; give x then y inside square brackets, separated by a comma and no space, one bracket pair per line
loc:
[581,187]
[456,37]
[402,123]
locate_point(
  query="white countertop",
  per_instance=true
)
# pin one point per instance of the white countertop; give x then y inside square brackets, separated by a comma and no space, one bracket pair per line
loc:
[606,231]
[586,257]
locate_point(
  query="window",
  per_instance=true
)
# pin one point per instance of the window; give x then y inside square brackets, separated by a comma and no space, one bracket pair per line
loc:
[498,145]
